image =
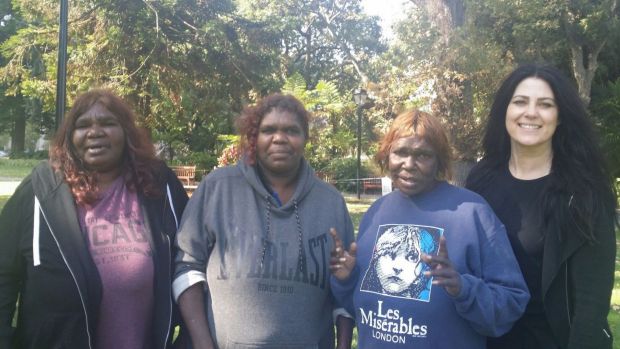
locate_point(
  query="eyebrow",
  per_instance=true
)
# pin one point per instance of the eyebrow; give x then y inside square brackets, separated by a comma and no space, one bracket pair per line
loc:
[528,97]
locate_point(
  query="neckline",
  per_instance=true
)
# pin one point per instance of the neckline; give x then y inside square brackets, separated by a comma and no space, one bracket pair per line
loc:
[519,180]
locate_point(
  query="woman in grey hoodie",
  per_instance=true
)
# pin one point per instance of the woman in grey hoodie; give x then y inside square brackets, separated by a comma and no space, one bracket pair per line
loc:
[252,269]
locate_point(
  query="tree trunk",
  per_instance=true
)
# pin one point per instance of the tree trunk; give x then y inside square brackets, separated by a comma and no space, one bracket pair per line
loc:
[584,69]
[18,135]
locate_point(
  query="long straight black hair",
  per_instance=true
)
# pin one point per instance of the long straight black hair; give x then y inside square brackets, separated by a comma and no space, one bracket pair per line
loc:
[579,189]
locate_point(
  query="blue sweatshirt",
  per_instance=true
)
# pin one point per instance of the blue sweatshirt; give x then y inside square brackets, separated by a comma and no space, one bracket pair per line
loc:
[395,305]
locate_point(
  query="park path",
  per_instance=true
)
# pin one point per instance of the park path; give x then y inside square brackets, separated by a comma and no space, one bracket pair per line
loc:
[8,187]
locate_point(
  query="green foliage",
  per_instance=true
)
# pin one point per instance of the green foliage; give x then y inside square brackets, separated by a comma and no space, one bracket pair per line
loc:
[333,125]
[188,67]
[344,171]
[605,110]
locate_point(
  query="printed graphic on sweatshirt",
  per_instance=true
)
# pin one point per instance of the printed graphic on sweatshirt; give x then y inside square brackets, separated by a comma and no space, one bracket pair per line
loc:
[396,268]
[388,325]
[282,267]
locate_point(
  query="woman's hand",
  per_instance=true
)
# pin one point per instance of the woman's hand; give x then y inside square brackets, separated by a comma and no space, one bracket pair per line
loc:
[342,261]
[442,270]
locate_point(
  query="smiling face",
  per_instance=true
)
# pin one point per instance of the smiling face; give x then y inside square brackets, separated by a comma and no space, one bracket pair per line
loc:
[413,165]
[280,144]
[99,140]
[532,115]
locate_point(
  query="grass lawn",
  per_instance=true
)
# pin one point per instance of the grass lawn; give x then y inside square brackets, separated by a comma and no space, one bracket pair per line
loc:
[16,169]
[357,208]
[3,200]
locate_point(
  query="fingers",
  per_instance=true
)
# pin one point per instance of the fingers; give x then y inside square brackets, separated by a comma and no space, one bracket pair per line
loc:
[341,261]
[442,269]
[443,248]
[441,260]
[353,249]
[337,242]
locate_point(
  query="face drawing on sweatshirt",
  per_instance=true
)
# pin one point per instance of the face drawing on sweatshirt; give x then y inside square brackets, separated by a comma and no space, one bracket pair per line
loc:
[396,268]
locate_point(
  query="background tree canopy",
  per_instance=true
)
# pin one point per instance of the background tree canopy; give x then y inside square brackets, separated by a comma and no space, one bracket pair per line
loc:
[189,66]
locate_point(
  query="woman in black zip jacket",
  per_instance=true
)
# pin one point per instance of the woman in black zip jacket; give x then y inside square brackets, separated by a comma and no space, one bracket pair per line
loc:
[85,241]
[544,176]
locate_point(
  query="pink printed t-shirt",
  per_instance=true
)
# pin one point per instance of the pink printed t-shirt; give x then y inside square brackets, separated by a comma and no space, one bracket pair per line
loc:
[117,241]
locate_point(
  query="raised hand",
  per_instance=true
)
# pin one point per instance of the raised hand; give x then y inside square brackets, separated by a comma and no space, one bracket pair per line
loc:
[342,261]
[442,270]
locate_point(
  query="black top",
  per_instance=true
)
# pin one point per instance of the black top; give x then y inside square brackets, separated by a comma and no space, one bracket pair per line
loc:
[516,204]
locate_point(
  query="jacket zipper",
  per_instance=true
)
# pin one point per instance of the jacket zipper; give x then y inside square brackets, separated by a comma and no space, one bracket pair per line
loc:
[74,279]
[566,295]
[169,297]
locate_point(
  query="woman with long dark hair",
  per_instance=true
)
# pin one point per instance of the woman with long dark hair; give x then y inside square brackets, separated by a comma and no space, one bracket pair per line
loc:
[85,241]
[543,174]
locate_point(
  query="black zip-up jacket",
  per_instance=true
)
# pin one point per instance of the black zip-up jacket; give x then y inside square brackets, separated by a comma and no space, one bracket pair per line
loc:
[577,275]
[51,269]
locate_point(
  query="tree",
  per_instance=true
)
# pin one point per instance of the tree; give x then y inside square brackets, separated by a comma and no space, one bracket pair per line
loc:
[322,40]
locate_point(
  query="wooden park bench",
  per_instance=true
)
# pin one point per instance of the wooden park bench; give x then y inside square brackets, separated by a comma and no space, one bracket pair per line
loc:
[186,174]
[371,184]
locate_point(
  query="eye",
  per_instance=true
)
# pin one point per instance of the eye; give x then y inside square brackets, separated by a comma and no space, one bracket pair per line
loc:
[519,102]
[81,125]
[268,130]
[547,105]
[424,156]
[413,256]
[293,131]
[400,152]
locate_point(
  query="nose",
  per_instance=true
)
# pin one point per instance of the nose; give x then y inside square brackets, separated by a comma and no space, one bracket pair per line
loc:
[409,163]
[95,130]
[279,137]
[397,270]
[532,110]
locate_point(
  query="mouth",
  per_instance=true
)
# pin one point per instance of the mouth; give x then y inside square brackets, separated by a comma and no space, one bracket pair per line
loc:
[394,279]
[408,180]
[279,153]
[529,126]
[95,149]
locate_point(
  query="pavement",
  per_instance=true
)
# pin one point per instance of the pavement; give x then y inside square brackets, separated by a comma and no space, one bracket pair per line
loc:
[8,187]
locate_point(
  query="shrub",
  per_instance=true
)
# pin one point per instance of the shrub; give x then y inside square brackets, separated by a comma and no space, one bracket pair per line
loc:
[343,171]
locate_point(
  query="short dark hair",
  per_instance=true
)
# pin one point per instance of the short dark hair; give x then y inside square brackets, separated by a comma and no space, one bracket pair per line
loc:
[418,123]
[249,121]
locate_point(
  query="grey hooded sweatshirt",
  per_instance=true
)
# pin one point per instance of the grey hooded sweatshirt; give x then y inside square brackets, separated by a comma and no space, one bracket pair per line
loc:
[266,267]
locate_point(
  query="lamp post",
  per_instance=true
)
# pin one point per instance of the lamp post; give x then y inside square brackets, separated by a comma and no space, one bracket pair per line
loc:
[359,97]
[61,72]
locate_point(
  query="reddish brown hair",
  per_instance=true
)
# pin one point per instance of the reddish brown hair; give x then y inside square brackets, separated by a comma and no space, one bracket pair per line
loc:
[418,123]
[139,161]
[248,122]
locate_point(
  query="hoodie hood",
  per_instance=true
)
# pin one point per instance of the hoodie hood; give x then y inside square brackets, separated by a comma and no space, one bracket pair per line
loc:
[305,181]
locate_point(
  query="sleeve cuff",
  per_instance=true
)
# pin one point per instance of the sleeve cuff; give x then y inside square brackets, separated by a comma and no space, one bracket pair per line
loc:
[466,286]
[340,312]
[185,281]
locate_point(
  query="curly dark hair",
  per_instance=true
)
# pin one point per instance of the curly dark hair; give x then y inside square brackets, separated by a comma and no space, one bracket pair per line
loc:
[579,187]
[139,161]
[416,122]
[249,121]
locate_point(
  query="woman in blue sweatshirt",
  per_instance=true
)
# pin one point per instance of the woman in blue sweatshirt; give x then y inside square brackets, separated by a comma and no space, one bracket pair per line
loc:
[432,266]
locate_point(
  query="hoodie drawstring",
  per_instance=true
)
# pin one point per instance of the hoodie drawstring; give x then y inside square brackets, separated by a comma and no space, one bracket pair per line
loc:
[267,235]
[36,252]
